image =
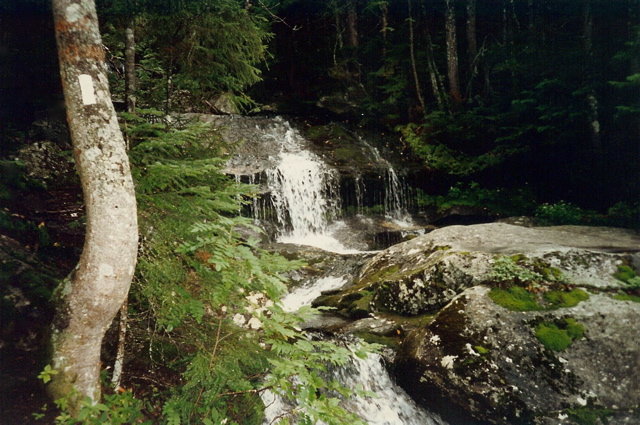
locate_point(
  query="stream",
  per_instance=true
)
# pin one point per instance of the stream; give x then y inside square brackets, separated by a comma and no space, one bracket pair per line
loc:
[301,195]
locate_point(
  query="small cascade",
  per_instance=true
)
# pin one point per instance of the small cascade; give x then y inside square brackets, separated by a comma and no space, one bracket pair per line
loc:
[396,199]
[360,191]
[301,195]
[391,406]
[305,294]
[304,194]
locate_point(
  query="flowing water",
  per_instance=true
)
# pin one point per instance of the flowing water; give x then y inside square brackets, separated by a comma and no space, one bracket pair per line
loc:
[391,406]
[304,195]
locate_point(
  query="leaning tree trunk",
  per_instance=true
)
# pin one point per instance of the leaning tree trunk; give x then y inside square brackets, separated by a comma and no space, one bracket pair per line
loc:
[592,100]
[88,300]
[414,67]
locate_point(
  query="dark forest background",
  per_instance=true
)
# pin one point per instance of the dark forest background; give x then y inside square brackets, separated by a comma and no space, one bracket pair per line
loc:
[534,95]
[506,107]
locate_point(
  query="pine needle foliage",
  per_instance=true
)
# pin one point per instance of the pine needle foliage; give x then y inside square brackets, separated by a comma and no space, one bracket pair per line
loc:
[210,295]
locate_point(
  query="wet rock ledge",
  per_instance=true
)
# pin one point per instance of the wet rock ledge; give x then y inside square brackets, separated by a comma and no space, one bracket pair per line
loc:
[512,325]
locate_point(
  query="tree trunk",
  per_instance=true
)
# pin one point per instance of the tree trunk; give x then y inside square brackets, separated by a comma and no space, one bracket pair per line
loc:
[592,100]
[384,22]
[472,43]
[130,66]
[452,53]
[437,81]
[414,68]
[88,300]
[352,24]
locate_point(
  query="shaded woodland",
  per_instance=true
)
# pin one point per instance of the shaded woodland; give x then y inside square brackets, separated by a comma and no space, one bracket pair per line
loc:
[512,107]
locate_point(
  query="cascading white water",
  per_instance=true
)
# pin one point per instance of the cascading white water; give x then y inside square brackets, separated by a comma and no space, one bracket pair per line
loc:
[391,406]
[303,295]
[305,194]
[396,201]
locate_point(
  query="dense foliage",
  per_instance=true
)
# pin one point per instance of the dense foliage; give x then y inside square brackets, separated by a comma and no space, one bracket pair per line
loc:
[548,89]
[210,295]
[543,121]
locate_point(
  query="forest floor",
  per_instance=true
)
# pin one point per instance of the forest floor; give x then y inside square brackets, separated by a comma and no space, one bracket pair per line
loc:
[31,265]
[29,272]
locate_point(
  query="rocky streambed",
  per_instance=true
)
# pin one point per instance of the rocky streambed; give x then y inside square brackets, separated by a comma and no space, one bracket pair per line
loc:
[504,324]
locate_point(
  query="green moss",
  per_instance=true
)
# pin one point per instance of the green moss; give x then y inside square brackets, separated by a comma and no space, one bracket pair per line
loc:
[627,297]
[558,336]
[347,154]
[589,416]
[552,274]
[515,299]
[389,341]
[625,273]
[552,337]
[381,274]
[361,307]
[574,329]
[562,299]
[481,350]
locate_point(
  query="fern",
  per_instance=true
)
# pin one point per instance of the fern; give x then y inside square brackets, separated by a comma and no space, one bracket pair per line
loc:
[196,273]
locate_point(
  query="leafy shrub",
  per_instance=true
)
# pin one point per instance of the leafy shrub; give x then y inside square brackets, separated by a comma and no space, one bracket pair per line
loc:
[500,201]
[200,283]
[624,215]
[505,271]
[565,213]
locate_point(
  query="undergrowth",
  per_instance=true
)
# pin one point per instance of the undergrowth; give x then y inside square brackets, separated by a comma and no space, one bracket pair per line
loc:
[213,293]
[204,304]
[521,284]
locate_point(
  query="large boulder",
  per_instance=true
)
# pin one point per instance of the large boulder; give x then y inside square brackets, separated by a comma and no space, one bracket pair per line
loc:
[492,362]
[533,325]
[424,274]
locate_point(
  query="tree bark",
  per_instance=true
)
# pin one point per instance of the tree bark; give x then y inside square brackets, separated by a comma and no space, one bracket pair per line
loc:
[352,25]
[130,66]
[414,68]
[471,32]
[472,43]
[88,300]
[452,53]
[437,81]
[384,22]
[591,98]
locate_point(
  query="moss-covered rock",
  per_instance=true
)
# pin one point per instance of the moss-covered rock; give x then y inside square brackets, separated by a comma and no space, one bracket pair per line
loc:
[525,367]
[530,269]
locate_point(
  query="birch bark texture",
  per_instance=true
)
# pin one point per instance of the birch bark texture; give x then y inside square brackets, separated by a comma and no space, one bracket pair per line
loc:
[88,300]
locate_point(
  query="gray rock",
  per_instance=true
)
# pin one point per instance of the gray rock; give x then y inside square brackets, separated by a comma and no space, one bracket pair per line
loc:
[487,360]
[425,273]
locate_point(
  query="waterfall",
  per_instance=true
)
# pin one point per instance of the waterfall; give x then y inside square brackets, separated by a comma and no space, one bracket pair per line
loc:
[391,406]
[303,193]
[396,201]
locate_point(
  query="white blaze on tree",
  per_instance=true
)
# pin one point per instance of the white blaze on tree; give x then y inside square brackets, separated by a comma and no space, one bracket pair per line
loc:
[88,300]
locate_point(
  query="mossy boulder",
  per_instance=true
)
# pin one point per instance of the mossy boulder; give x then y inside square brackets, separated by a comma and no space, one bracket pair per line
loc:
[525,367]
[544,265]
[529,325]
